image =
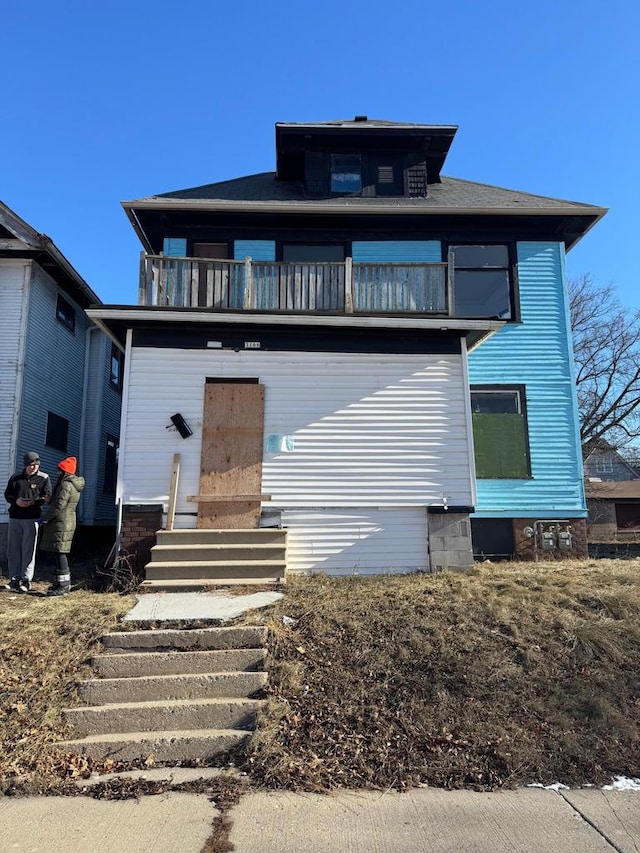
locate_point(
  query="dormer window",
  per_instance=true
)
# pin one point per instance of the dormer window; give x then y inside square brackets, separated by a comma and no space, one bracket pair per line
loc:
[346,173]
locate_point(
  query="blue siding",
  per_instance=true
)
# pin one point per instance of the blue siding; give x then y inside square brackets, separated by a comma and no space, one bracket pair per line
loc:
[258,250]
[538,353]
[397,251]
[53,373]
[174,247]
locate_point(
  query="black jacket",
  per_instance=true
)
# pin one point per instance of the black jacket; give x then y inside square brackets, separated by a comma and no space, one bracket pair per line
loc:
[33,488]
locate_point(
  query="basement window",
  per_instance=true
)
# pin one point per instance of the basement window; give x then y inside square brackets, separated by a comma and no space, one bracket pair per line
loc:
[500,432]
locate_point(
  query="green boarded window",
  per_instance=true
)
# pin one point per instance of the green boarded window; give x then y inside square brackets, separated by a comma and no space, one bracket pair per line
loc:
[500,432]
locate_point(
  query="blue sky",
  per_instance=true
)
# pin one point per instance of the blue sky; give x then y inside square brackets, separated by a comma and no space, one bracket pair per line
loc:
[108,103]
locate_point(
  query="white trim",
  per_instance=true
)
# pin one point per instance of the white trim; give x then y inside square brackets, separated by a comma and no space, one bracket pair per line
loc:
[123,418]
[469,421]
[22,344]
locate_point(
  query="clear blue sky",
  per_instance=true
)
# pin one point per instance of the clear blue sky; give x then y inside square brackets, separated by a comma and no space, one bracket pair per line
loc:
[103,103]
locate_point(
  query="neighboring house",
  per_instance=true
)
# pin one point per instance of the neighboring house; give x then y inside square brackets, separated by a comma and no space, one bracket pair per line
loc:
[339,336]
[603,462]
[613,497]
[60,375]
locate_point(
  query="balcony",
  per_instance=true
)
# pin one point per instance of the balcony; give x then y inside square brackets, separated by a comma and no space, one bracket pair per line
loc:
[297,288]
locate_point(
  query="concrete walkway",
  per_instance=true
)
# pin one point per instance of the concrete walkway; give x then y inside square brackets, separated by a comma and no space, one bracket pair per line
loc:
[209,606]
[425,820]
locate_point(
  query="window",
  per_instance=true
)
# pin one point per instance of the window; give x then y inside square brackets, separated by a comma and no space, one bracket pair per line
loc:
[603,463]
[481,282]
[66,314]
[117,362]
[312,253]
[110,466]
[500,432]
[346,173]
[57,432]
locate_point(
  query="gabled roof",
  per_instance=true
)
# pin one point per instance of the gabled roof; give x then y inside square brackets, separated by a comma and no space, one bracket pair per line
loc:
[19,239]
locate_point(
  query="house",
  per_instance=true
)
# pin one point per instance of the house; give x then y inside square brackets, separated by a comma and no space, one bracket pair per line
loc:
[60,375]
[372,355]
[613,499]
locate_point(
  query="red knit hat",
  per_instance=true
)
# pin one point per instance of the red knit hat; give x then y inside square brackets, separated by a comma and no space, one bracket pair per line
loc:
[68,465]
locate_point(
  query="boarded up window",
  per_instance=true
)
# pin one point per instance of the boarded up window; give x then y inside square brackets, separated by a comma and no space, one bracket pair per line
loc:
[500,433]
[628,516]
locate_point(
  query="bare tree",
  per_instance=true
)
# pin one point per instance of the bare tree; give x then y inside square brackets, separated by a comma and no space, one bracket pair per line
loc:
[606,343]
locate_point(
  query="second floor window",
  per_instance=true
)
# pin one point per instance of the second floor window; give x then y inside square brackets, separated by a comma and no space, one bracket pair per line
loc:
[66,314]
[117,361]
[346,173]
[57,432]
[481,282]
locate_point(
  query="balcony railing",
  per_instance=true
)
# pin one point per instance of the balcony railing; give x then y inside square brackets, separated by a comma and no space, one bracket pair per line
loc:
[344,288]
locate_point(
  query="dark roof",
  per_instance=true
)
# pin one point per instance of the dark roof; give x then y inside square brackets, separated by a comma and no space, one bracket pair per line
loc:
[451,195]
[26,242]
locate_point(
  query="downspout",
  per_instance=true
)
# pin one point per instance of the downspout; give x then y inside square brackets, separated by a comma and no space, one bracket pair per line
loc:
[84,517]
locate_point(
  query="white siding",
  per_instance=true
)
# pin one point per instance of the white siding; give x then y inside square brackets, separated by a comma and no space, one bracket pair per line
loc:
[12,293]
[365,430]
[359,542]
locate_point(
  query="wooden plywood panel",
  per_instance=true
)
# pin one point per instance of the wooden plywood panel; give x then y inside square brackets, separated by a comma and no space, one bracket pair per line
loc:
[231,460]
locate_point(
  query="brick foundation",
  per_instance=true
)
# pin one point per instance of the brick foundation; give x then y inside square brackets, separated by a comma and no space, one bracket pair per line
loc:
[526,547]
[140,522]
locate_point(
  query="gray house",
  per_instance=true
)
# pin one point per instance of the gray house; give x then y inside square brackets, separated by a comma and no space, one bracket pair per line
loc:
[60,376]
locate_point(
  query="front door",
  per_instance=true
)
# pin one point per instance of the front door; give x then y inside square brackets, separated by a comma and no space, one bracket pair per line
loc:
[231,458]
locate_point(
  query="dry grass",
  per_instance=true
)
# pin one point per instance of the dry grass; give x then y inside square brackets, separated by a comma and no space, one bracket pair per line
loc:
[45,645]
[509,675]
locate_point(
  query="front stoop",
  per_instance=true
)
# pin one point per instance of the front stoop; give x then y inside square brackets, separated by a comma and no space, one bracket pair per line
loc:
[172,695]
[187,560]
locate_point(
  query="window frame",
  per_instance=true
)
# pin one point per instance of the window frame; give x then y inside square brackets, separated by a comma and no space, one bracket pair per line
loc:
[333,170]
[512,272]
[497,388]
[115,382]
[54,429]
[65,314]
[108,487]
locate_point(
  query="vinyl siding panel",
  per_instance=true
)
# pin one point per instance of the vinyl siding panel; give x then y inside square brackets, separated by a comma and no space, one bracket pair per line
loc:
[397,251]
[174,247]
[340,430]
[54,372]
[357,542]
[538,353]
[258,250]
[12,293]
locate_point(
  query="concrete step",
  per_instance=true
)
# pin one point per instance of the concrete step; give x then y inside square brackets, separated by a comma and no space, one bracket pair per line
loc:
[136,664]
[200,584]
[149,688]
[219,551]
[163,746]
[214,569]
[174,714]
[232,637]
[233,537]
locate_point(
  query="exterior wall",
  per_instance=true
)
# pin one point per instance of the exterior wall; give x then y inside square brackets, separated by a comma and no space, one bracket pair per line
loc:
[358,541]
[259,250]
[53,373]
[397,251]
[538,353]
[13,291]
[102,418]
[341,430]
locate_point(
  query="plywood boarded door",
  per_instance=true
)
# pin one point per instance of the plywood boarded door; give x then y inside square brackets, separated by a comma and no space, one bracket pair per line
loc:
[231,459]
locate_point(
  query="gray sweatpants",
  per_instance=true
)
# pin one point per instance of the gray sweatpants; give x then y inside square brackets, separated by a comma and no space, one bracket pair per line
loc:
[21,548]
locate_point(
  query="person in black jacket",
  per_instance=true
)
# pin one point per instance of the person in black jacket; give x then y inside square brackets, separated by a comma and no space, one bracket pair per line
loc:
[26,493]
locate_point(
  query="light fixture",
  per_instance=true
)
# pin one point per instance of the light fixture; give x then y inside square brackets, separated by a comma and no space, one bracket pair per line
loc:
[181,425]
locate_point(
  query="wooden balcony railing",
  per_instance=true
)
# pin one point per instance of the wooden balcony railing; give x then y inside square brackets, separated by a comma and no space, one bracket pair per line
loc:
[344,288]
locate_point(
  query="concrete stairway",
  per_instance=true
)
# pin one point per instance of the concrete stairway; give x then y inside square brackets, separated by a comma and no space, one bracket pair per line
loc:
[185,560]
[175,695]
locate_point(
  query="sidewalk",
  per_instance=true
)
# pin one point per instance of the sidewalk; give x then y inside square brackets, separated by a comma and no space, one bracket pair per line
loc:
[424,820]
